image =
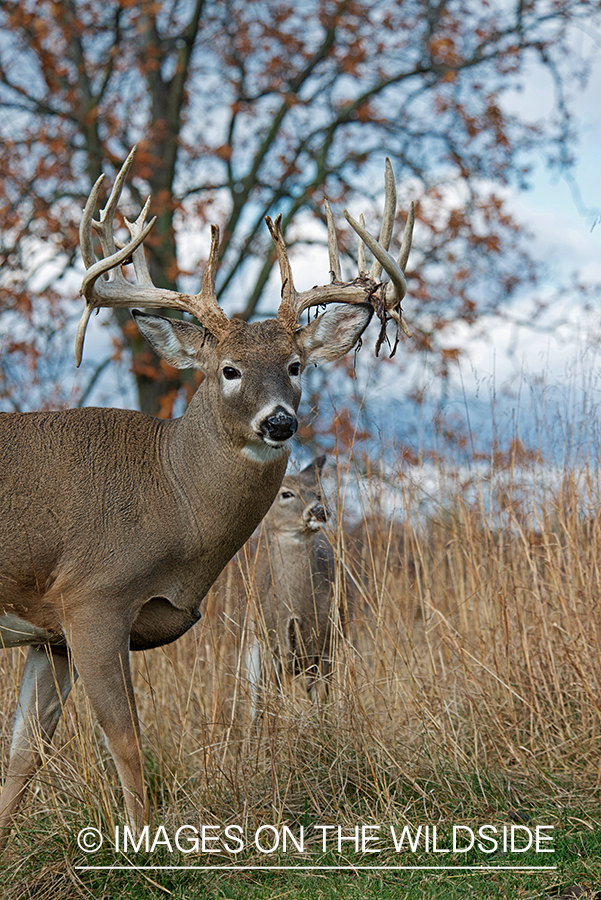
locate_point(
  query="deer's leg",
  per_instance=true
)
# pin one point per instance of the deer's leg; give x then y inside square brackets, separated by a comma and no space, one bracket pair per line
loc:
[318,677]
[326,675]
[254,669]
[45,686]
[102,660]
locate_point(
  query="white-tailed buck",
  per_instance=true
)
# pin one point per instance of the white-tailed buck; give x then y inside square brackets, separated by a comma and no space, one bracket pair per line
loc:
[296,604]
[115,524]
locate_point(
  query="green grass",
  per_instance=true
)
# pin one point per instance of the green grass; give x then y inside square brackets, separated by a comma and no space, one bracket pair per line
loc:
[44,862]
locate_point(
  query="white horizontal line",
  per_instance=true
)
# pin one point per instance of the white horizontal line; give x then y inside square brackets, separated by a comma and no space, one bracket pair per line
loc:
[321,868]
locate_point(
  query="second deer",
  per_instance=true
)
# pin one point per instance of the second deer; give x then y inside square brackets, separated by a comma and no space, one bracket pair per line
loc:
[295,600]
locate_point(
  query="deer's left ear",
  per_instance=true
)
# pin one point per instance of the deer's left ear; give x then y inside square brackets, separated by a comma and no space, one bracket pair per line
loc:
[182,344]
[333,333]
[311,473]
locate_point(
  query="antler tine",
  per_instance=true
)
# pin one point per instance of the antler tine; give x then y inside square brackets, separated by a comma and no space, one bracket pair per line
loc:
[395,303]
[383,256]
[387,219]
[366,287]
[94,299]
[332,243]
[104,284]
[85,226]
[407,237]
[361,264]
[112,259]
[394,292]
[289,311]
[208,279]
[110,264]
[138,255]
[81,333]
[277,236]
[104,227]
[392,298]
[204,306]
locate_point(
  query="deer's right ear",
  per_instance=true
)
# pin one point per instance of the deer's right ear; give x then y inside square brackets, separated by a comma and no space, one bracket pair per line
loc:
[182,344]
[333,333]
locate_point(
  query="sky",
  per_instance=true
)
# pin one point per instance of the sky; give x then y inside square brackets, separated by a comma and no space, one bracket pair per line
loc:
[510,375]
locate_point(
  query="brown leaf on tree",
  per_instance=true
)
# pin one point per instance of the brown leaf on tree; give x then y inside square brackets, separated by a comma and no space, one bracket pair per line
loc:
[246,109]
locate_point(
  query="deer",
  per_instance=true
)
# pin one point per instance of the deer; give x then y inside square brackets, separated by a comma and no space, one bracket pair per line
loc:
[295,605]
[115,524]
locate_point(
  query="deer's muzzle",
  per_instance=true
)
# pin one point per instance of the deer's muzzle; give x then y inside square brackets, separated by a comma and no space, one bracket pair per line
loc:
[280,426]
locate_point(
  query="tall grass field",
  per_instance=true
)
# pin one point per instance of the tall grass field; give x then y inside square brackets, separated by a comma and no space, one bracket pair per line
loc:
[464,703]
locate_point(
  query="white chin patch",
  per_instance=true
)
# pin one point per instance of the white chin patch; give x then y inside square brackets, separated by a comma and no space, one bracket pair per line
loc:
[261,452]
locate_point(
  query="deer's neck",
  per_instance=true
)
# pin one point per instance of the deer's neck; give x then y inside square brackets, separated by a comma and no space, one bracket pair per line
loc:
[212,474]
[289,540]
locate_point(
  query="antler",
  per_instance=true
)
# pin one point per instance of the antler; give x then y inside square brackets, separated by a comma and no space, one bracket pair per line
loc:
[104,284]
[366,287]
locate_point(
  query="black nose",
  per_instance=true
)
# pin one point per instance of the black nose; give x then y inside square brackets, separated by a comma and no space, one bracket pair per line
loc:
[319,513]
[280,426]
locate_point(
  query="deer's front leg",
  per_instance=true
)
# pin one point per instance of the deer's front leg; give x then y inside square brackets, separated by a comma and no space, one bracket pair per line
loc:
[254,670]
[102,659]
[45,686]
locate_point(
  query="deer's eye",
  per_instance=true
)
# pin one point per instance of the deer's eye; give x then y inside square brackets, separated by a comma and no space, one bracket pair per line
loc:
[294,369]
[285,495]
[230,374]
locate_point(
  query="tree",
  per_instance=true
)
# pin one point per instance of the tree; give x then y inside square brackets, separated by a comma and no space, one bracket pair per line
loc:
[242,108]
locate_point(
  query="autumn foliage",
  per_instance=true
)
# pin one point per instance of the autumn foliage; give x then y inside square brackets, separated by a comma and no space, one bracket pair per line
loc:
[256,107]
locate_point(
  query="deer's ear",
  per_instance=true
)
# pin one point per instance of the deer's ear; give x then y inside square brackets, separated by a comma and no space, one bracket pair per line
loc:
[311,473]
[182,344]
[333,333]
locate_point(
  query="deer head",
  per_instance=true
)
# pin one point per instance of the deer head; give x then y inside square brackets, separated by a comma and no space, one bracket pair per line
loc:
[256,367]
[298,510]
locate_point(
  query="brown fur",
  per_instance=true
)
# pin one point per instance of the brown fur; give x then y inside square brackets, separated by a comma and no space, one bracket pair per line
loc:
[295,580]
[115,524]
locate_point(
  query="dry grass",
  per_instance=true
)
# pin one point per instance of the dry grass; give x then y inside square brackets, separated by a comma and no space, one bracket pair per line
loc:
[469,683]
